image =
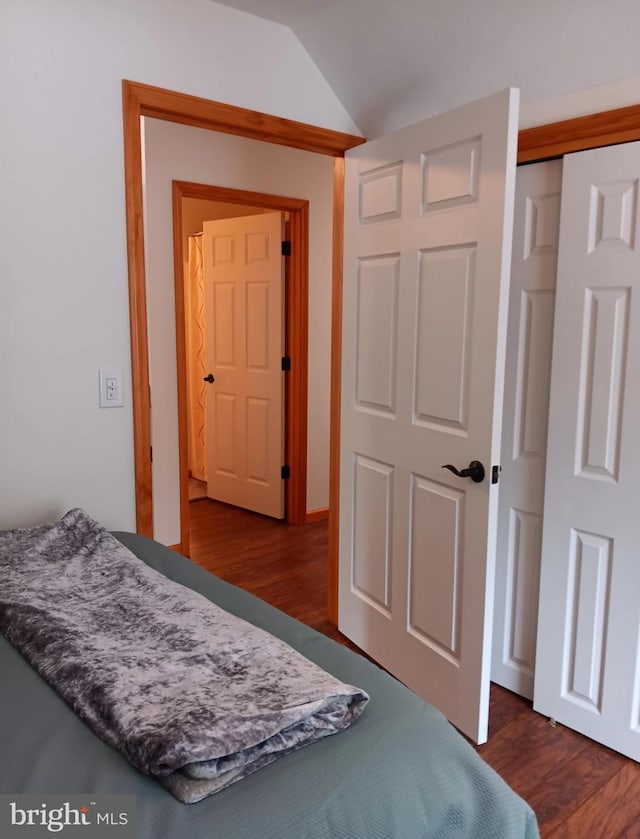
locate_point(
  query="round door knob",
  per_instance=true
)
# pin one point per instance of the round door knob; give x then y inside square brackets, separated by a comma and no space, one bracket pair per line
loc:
[209,379]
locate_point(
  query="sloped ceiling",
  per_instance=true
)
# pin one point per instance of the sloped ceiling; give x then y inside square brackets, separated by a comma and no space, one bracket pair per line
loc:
[393,62]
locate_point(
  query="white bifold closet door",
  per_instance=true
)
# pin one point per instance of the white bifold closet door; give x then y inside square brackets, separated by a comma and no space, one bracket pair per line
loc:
[587,672]
[524,432]
[581,516]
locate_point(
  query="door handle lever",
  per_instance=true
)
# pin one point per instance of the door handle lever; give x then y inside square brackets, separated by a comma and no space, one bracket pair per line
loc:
[209,378]
[475,471]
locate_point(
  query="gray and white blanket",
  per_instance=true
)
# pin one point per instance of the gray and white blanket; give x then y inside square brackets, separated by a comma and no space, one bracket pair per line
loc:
[191,695]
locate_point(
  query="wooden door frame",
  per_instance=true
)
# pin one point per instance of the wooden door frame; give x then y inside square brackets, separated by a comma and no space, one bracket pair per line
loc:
[296,335]
[144,100]
[539,143]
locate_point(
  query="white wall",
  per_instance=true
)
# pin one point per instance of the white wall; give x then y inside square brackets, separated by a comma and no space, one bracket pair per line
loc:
[393,64]
[604,97]
[192,154]
[63,278]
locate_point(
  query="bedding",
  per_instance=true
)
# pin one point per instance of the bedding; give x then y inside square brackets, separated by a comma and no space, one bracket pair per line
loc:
[400,771]
[190,694]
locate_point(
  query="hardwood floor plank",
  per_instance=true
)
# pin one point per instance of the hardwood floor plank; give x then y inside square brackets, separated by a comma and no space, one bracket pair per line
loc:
[573,783]
[286,566]
[578,789]
[504,707]
[546,748]
[612,813]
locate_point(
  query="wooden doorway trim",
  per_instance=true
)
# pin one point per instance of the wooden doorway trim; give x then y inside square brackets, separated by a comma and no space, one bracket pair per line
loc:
[140,100]
[606,128]
[296,340]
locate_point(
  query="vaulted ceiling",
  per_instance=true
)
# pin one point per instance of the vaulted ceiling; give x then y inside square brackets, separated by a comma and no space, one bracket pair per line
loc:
[393,62]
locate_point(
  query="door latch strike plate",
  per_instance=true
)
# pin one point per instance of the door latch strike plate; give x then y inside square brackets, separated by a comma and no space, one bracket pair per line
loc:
[495,474]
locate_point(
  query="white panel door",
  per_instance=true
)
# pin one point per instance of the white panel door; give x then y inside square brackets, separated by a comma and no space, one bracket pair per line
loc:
[588,652]
[243,271]
[524,431]
[428,222]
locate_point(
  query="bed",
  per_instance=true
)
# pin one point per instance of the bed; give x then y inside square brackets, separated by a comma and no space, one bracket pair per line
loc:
[399,772]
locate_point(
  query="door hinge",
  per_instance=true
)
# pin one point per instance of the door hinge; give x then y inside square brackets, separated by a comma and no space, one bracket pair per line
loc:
[495,474]
[286,362]
[285,473]
[151,453]
[286,247]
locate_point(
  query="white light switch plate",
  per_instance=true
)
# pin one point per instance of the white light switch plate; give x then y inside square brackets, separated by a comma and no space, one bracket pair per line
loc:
[111,389]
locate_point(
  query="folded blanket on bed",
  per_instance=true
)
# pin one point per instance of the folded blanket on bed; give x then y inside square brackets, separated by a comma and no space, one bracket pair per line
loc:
[189,693]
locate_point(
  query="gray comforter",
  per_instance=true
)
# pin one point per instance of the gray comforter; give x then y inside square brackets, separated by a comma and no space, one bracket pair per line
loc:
[189,693]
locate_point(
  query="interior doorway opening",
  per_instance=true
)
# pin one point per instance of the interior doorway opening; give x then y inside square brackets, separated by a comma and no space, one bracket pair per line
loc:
[190,200]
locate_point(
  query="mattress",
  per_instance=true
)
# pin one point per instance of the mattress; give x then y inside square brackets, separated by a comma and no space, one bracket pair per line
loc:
[400,771]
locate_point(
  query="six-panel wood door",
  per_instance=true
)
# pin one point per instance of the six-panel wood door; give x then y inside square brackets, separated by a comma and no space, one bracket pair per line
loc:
[588,646]
[243,273]
[428,223]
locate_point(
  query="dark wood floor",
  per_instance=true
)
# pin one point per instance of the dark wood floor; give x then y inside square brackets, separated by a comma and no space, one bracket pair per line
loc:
[578,789]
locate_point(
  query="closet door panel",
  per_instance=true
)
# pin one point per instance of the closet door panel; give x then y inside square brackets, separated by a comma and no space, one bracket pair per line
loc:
[588,644]
[524,435]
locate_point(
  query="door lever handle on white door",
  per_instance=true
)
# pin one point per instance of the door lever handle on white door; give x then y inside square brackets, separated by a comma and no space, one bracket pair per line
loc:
[475,471]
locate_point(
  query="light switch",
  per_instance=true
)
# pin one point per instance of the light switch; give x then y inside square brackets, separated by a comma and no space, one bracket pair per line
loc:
[112,388]
[110,382]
